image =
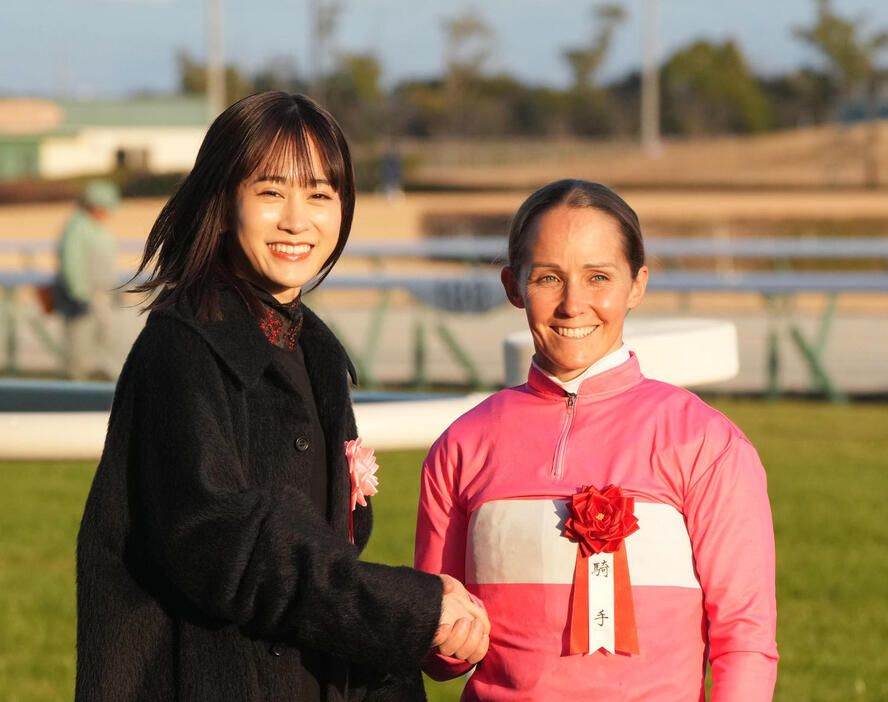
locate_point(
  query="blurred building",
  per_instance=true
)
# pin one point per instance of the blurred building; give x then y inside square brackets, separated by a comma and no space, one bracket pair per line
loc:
[62,139]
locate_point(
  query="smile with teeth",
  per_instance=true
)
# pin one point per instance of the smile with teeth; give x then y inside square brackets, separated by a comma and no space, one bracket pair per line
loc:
[292,249]
[574,332]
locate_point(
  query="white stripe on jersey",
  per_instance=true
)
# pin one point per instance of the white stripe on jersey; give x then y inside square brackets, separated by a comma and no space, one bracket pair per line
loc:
[521,541]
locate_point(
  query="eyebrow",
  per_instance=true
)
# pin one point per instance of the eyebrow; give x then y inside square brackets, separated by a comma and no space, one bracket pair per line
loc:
[604,264]
[270,178]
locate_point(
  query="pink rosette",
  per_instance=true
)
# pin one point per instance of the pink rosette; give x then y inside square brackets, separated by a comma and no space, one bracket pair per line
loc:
[362,468]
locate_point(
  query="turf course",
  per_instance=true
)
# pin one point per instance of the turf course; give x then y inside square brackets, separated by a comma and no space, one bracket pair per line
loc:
[828,478]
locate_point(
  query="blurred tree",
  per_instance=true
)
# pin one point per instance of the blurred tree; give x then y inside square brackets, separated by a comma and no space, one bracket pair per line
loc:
[510,108]
[799,99]
[585,62]
[850,57]
[280,73]
[526,110]
[193,79]
[506,107]
[418,108]
[590,106]
[325,17]
[625,105]
[354,94]
[709,89]
[468,42]
[364,73]
[851,60]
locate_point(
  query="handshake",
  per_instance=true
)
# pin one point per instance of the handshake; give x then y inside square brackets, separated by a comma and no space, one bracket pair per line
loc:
[464,629]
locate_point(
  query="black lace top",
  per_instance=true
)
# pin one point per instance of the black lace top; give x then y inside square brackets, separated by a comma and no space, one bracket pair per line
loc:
[281,321]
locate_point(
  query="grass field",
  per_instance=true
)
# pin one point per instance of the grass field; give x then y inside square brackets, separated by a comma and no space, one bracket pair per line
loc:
[828,477]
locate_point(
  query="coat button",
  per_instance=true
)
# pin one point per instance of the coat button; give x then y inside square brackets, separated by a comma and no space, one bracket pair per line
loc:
[276,650]
[302,444]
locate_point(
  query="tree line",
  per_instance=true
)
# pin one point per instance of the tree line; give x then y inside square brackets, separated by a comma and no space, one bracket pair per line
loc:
[706,87]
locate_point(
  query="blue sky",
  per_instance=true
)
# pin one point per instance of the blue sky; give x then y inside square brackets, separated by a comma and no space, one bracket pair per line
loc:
[106,48]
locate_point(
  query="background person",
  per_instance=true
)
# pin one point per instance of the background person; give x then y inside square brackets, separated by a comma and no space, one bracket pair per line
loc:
[617,528]
[218,552]
[86,278]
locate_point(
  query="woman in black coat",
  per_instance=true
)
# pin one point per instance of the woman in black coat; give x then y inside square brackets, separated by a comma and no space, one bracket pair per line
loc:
[218,553]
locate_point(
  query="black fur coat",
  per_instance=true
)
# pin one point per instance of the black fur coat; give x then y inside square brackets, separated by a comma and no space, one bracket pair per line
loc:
[204,571]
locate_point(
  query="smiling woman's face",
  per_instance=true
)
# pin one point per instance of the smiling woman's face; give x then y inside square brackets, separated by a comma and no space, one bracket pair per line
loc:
[576,289]
[285,232]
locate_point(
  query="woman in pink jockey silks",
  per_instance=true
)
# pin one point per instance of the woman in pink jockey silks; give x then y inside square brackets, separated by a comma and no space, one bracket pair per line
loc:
[616,528]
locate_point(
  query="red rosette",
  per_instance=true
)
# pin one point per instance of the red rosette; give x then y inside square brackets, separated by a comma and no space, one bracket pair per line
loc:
[600,520]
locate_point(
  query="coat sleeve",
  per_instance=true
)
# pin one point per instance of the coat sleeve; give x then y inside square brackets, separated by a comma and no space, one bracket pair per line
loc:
[441,528]
[257,556]
[729,522]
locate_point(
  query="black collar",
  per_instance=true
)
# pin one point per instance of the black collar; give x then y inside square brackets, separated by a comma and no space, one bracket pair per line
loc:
[241,344]
[289,310]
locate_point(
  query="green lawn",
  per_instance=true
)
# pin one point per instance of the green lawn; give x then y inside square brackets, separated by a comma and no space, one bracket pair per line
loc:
[828,477]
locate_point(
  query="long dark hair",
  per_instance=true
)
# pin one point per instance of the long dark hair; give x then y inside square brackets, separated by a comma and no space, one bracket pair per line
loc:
[185,255]
[574,193]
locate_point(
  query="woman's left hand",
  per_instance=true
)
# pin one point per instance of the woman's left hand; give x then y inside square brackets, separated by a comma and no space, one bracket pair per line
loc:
[464,629]
[466,641]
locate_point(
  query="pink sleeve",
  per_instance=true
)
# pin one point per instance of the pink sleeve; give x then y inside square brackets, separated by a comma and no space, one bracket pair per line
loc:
[440,542]
[729,522]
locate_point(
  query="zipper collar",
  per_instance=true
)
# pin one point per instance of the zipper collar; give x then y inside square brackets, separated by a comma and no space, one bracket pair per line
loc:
[605,363]
[561,446]
[597,387]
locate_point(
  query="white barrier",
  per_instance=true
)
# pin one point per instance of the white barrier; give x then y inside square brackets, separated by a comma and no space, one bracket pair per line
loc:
[680,351]
[52,436]
[79,436]
[409,424]
[684,352]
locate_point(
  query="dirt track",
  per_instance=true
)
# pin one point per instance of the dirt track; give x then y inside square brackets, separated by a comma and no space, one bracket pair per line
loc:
[825,156]
[401,218]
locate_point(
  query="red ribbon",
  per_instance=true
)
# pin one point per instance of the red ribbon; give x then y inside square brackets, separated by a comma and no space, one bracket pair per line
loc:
[625,632]
[583,525]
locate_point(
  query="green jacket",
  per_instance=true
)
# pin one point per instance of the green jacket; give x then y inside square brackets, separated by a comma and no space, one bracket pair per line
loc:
[86,257]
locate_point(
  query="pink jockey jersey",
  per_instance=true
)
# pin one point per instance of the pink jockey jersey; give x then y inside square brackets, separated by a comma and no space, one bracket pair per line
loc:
[701,565]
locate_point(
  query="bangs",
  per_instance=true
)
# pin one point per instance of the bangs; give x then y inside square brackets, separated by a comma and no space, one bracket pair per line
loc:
[289,154]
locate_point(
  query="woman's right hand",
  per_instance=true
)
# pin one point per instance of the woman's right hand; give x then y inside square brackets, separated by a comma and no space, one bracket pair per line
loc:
[464,629]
